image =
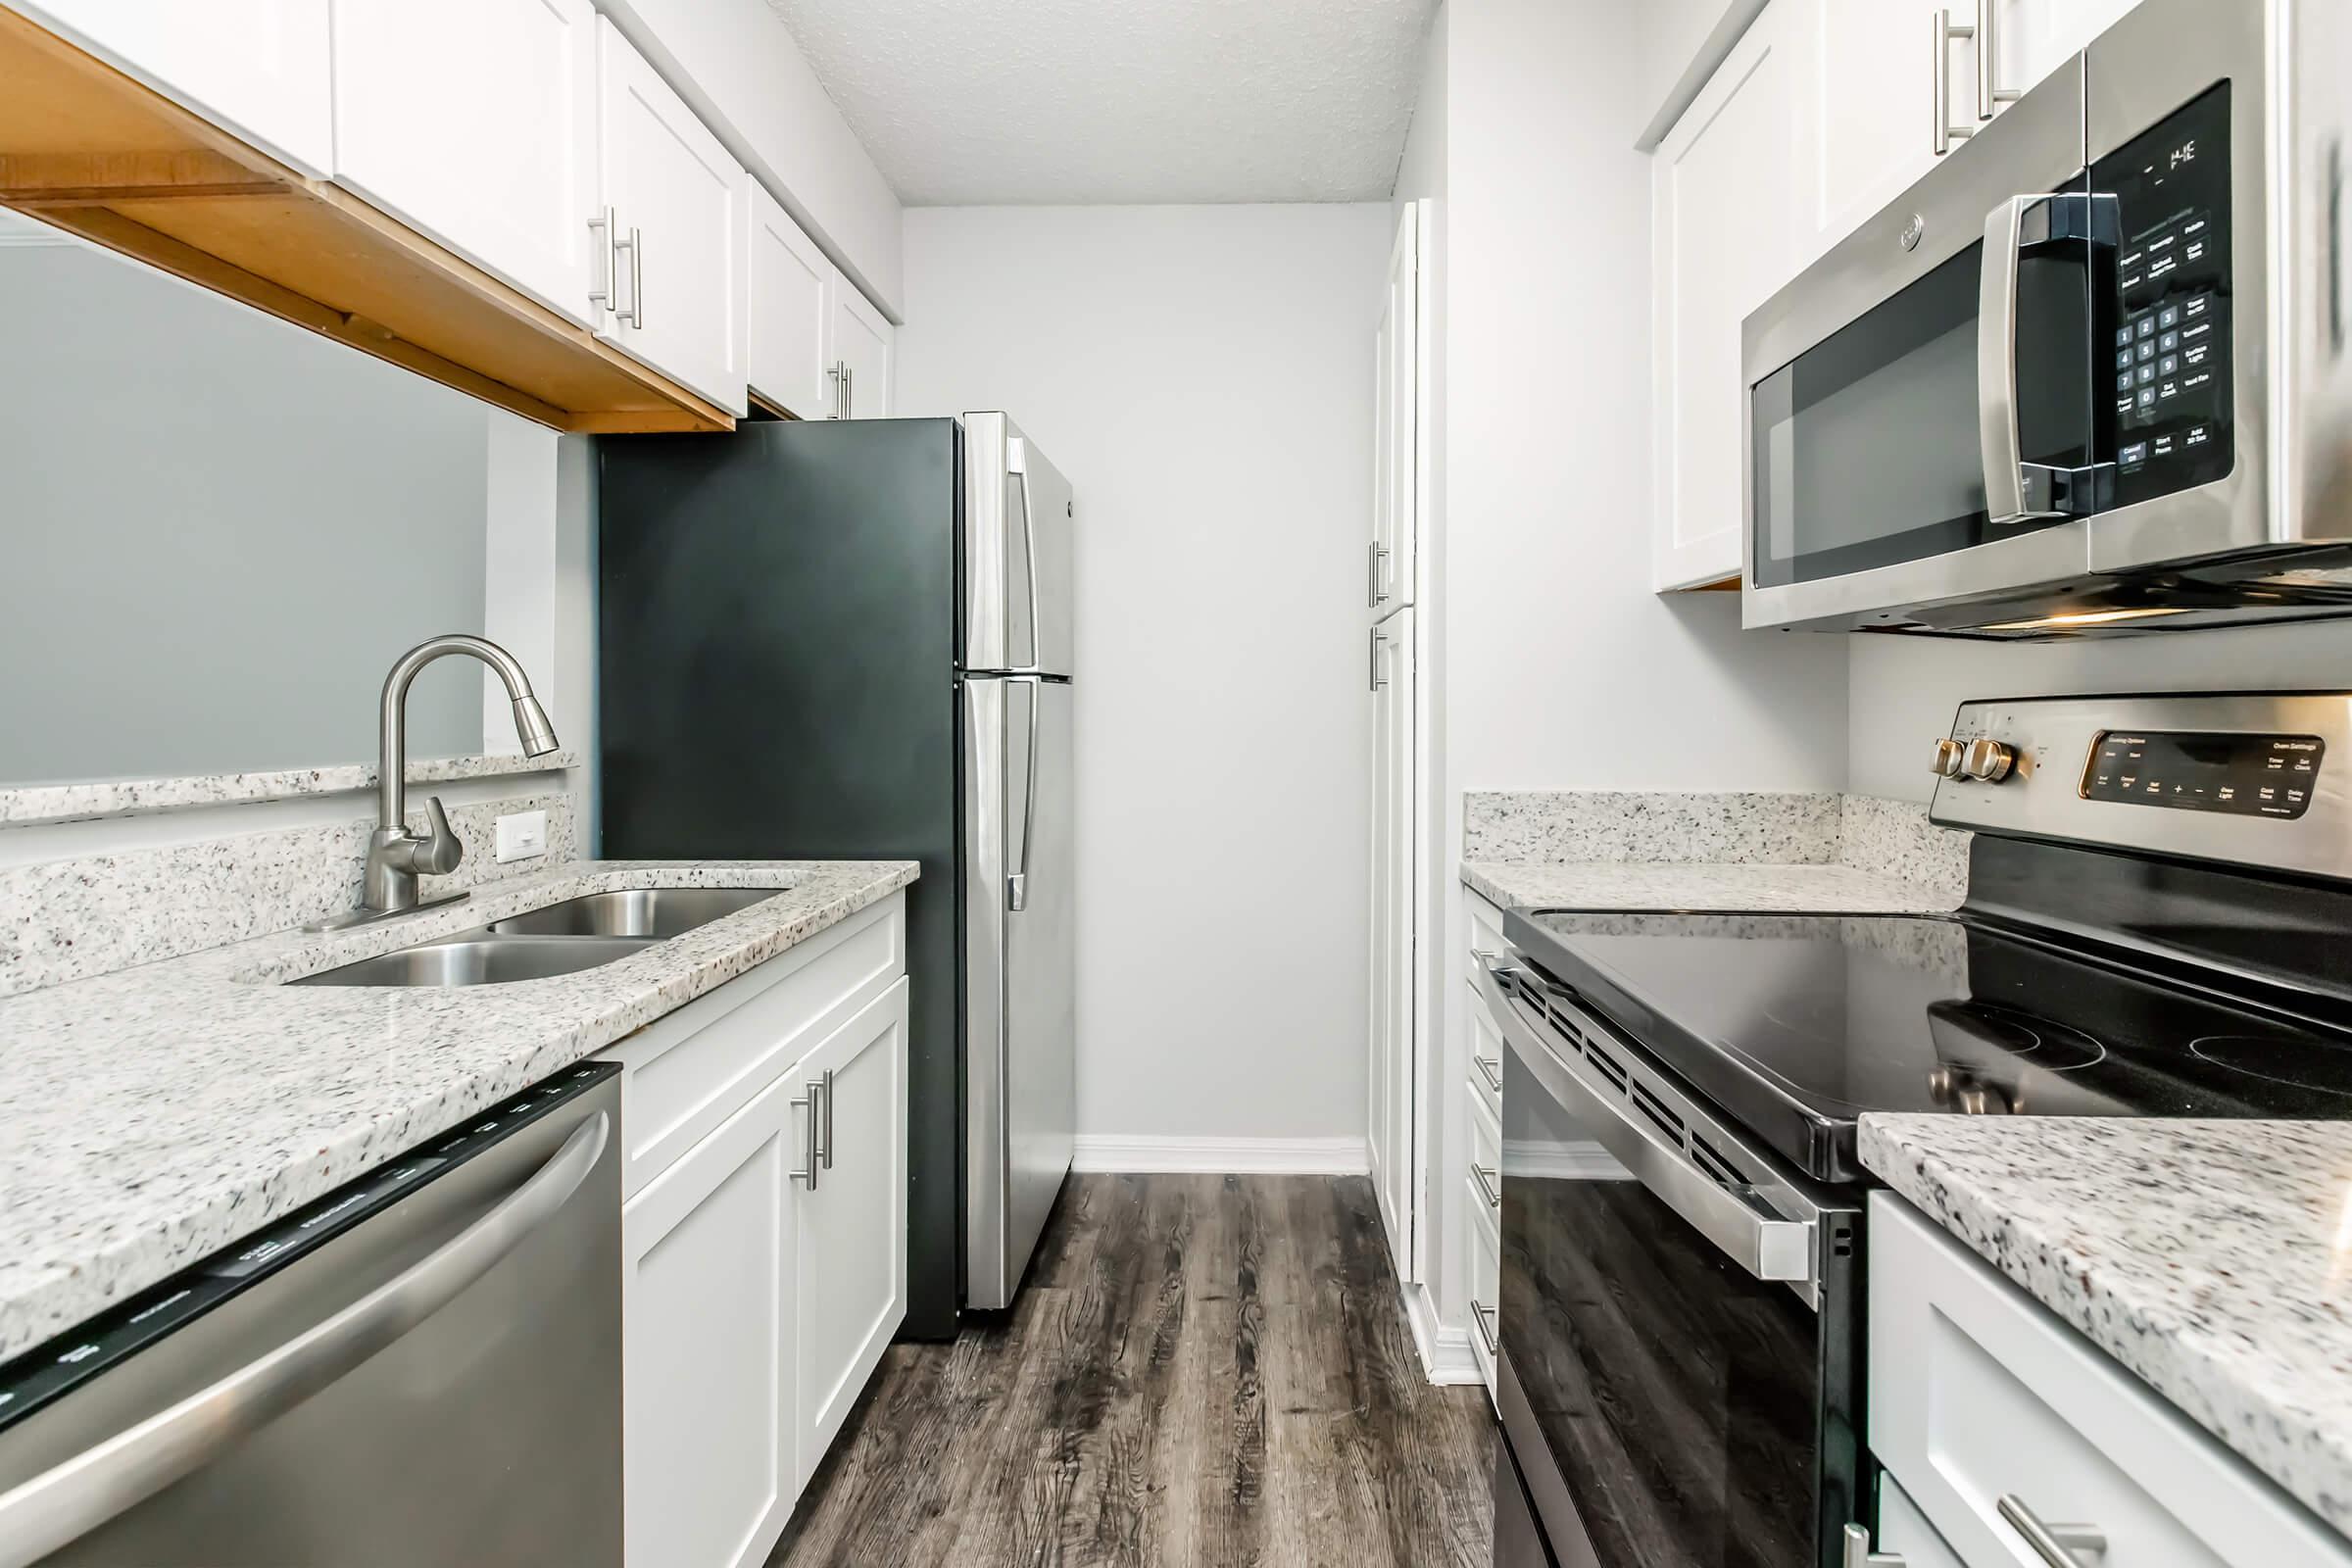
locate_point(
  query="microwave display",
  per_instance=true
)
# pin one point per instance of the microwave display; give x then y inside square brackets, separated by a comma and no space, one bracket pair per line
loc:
[2238,775]
[2166,337]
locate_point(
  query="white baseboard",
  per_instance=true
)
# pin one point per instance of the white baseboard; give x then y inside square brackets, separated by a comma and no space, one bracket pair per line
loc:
[1446,1353]
[1221,1156]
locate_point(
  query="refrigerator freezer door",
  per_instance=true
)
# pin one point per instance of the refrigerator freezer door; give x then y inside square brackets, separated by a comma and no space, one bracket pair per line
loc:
[1019,582]
[1021,1029]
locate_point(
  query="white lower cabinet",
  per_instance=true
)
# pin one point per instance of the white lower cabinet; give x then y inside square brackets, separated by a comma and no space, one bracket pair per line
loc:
[1482,1259]
[851,1229]
[1980,1395]
[712,1249]
[765,1263]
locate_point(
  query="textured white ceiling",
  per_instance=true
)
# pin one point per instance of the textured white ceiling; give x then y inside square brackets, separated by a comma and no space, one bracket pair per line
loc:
[1078,101]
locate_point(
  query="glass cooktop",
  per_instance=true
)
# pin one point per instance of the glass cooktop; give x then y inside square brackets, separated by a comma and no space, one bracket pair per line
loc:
[1797,1024]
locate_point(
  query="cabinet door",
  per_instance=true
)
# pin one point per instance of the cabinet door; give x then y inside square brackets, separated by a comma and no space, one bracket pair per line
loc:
[853,1221]
[473,121]
[1396,448]
[1393,1159]
[679,202]
[1870,105]
[1725,210]
[710,1250]
[258,68]
[2035,37]
[861,342]
[788,281]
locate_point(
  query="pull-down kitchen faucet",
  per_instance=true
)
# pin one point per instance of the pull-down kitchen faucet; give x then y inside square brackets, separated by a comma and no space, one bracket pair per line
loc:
[396,857]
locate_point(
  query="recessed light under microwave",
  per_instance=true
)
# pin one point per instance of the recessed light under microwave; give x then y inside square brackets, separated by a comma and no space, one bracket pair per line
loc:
[2090,374]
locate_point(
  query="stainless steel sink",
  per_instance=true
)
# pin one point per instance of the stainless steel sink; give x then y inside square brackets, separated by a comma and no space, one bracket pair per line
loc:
[654,912]
[472,959]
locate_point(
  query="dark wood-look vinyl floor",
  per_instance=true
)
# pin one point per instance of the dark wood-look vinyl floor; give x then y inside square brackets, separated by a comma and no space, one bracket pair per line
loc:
[1202,1372]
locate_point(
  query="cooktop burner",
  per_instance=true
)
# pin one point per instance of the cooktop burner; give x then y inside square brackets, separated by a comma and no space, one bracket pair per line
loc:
[2287,1060]
[1798,1024]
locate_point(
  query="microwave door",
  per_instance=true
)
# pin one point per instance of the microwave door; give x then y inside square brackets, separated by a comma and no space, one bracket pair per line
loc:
[1866,409]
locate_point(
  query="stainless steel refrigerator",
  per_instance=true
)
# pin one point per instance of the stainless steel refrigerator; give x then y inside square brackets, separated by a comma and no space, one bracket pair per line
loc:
[854,639]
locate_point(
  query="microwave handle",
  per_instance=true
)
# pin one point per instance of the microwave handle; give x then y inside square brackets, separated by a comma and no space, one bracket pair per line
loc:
[1997,364]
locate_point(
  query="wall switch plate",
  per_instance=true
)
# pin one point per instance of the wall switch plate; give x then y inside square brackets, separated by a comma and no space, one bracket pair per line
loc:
[521,836]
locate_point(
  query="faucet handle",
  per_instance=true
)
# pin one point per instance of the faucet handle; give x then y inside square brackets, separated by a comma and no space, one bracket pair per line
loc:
[438,852]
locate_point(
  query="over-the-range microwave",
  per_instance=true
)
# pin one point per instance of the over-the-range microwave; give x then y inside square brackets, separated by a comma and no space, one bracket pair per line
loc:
[2090,372]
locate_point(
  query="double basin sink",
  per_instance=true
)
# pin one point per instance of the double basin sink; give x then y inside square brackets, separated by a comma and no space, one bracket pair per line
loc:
[581,933]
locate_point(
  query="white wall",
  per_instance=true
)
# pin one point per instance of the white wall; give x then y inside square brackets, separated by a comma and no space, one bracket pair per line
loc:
[1678,45]
[1905,689]
[1562,669]
[736,64]
[1204,376]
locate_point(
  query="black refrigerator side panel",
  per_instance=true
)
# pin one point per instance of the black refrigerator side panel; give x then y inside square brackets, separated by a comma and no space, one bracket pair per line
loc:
[776,661]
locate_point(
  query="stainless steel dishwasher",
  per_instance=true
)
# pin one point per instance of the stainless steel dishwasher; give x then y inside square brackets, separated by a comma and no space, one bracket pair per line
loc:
[420,1369]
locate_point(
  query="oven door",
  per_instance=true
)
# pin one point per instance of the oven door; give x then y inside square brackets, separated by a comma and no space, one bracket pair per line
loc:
[1679,1356]
[1920,401]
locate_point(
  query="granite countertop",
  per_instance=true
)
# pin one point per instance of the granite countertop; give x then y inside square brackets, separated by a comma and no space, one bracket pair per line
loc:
[2212,1258]
[154,1115]
[1817,889]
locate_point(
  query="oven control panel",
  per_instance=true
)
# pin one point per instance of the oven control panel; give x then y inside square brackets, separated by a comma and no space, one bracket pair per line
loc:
[2244,778]
[2242,775]
[2165,332]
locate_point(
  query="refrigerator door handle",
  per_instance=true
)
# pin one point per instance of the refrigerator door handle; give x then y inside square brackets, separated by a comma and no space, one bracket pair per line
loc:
[1016,464]
[1016,885]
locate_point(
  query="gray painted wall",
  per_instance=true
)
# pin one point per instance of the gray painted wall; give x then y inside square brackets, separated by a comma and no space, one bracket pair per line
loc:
[216,531]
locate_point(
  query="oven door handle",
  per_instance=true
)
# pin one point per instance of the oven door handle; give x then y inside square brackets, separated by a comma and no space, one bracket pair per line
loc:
[1766,1243]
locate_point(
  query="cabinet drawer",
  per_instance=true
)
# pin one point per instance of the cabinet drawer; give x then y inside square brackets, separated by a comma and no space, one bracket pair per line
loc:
[1483,1257]
[1485,932]
[686,1073]
[1485,1174]
[1977,1392]
[1486,1055]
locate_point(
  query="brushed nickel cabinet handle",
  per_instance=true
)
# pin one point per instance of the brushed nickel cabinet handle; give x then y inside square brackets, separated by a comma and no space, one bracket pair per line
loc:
[1491,1069]
[1489,1180]
[1489,1327]
[806,1105]
[1946,30]
[1990,94]
[1858,1554]
[2059,1546]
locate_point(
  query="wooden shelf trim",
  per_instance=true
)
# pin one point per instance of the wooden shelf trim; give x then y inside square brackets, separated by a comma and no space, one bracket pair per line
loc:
[91,151]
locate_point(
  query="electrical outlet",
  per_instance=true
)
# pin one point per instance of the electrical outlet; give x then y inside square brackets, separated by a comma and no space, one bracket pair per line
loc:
[521,836]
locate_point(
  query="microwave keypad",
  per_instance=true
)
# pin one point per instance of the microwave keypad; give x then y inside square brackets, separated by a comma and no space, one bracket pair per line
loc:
[2170,373]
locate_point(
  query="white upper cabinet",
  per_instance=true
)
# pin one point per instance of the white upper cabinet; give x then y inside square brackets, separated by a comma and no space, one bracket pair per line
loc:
[474,121]
[790,283]
[256,67]
[1872,103]
[671,270]
[862,343]
[1727,212]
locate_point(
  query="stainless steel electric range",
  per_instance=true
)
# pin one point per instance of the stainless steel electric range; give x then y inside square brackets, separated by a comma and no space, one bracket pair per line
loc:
[2159,923]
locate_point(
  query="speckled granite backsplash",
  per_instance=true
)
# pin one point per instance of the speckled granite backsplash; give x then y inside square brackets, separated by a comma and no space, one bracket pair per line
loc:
[72,919]
[1661,828]
[1890,838]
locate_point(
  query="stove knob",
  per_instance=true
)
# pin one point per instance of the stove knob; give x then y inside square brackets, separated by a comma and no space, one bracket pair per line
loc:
[1948,759]
[1988,761]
